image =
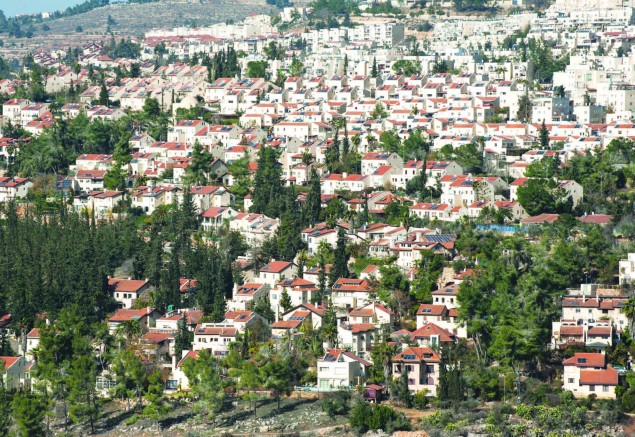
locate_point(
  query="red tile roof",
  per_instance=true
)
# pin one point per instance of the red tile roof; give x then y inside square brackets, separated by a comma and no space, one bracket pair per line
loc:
[430,329]
[358,327]
[276,266]
[606,376]
[126,285]
[431,310]
[156,337]
[585,360]
[123,315]
[418,354]
[348,284]
[9,361]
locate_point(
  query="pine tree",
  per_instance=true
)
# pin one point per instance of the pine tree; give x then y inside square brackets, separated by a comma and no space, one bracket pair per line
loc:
[28,411]
[313,203]
[117,175]
[81,381]
[157,407]
[5,407]
[206,384]
[198,170]
[250,381]
[130,376]
[340,262]
[373,71]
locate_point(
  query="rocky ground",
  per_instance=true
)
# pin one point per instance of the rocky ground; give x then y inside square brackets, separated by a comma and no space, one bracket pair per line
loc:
[295,417]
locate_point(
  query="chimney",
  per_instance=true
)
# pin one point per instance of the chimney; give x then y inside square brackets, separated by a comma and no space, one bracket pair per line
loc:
[344,175]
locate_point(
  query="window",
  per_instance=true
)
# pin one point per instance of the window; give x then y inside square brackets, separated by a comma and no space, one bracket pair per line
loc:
[591,388]
[605,388]
[571,380]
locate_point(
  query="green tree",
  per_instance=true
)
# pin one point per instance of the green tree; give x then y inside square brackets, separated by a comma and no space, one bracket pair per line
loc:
[296,67]
[340,263]
[629,312]
[157,406]
[285,300]
[440,67]
[429,268]
[400,389]
[84,404]
[116,176]
[5,405]
[289,235]
[257,69]
[276,377]
[183,338]
[263,308]
[130,376]
[151,107]
[525,108]
[268,195]
[313,203]
[390,141]
[28,410]
[543,136]
[103,95]
[250,381]
[198,170]
[406,67]
[205,381]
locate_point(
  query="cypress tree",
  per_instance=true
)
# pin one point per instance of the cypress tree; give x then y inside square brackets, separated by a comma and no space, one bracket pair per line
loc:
[289,233]
[544,136]
[168,292]
[285,301]
[263,308]
[313,202]
[103,95]
[183,338]
[340,262]
[268,184]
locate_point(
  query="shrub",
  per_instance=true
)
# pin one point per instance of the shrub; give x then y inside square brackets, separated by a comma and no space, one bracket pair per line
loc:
[336,404]
[421,400]
[365,417]
[438,419]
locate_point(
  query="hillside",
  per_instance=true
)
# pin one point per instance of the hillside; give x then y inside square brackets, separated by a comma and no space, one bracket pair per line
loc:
[132,20]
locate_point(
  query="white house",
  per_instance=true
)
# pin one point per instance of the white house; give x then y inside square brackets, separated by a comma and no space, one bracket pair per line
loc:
[587,373]
[341,369]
